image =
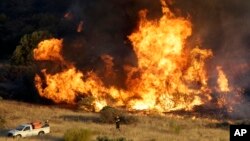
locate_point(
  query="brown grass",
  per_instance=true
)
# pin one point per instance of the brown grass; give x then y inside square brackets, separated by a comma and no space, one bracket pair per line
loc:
[148,127]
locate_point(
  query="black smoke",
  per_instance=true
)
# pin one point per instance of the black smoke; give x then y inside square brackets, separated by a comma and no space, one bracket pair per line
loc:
[220,25]
[106,25]
[224,27]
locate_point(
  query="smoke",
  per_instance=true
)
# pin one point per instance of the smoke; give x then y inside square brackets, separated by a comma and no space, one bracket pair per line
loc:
[105,27]
[222,26]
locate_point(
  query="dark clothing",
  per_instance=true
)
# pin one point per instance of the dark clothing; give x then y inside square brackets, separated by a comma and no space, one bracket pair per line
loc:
[117,123]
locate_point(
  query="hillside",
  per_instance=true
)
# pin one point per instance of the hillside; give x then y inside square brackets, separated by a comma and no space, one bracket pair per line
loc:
[148,128]
[172,70]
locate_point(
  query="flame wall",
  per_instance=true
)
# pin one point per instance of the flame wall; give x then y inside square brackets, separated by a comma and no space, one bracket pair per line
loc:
[147,60]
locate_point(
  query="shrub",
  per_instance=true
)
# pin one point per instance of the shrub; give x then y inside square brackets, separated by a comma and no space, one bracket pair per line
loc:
[77,135]
[127,119]
[108,115]
[23,54]
[86,104]
[2,122]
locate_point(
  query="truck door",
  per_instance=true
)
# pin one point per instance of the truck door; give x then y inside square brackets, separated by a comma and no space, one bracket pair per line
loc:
[27,131]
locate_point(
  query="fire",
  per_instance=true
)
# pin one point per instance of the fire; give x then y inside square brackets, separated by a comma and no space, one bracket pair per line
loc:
[108,60]
[80,27]
[49,50]
[168,77]
[172,77]
[223,89]
[68,16]
[65,86]
[55,91]
[222,80]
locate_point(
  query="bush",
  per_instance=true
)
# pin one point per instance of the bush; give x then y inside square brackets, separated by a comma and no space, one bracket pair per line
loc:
[127,119]
[77,135]
[2,122]
[108,115]
[23,54]
[86,104]
[105,138]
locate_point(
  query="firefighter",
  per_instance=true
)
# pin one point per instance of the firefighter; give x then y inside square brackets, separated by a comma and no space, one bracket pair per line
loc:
[47,123]
[117,123]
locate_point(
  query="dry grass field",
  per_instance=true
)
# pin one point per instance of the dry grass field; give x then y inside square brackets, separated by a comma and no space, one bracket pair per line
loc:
[148,128]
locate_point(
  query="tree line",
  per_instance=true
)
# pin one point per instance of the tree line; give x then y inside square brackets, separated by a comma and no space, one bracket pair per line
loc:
[23,23]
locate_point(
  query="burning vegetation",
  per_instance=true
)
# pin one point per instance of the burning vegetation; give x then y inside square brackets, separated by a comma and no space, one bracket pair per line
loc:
[168,75]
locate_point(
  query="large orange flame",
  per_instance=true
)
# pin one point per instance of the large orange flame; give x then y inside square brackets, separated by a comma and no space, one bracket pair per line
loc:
[222,80]
[49,50]
[171,77]
[65,86]
[168,76]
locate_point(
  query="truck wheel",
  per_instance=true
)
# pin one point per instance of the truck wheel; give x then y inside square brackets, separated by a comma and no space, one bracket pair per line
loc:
[18,136]
[41,133]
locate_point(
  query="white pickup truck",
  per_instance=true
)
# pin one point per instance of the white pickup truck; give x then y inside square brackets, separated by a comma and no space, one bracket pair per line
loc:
[26,130]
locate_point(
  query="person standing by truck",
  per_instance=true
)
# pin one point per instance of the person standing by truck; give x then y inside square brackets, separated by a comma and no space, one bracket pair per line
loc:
[117,123]
[46,123]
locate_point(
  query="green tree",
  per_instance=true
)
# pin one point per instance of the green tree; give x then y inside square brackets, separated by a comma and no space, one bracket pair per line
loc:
[23,54]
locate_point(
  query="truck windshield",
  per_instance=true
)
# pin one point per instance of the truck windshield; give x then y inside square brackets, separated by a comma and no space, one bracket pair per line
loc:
[20,128]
